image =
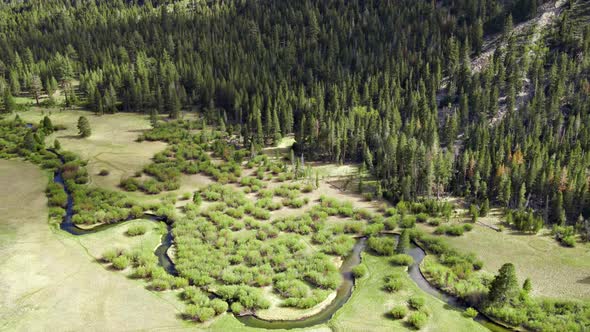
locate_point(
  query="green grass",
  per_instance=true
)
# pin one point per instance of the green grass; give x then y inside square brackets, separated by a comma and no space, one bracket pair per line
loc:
[369,306]
[555,271]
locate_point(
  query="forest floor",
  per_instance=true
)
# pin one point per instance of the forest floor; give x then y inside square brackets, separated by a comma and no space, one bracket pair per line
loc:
[555,271]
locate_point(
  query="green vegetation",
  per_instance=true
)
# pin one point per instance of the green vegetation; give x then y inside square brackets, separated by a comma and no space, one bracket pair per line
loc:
[84,127]
[417,319]
[136,230]
[470,312]
[399,311]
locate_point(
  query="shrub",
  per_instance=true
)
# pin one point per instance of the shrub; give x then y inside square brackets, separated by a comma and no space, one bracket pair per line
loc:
[104,172]
[160,284]
[307,188]
[470,312]
[422,218]
[402,259]
[382,245]
[393,285]
[416,302]
[434,222]
[219,306]
[417,320]
[569,241]
[453,230]
[359,271]
[399,311]
[202,314]
[111,254]
[120,263]
[408,222]
[136,230]
[237,308]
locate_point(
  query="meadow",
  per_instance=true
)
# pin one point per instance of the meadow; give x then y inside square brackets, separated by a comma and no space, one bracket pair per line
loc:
[266,234]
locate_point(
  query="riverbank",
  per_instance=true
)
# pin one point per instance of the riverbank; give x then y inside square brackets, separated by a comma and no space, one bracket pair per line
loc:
[49,281]
[369,306]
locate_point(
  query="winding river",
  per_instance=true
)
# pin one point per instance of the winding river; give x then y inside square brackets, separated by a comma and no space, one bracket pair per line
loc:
[343,293]
[69,226]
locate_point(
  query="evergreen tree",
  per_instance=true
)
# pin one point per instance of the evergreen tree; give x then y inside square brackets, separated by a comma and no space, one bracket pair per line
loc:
[527,285]
[36,87]
[84,127]
[8,102]
[47,125]
[29,142]
[504,287]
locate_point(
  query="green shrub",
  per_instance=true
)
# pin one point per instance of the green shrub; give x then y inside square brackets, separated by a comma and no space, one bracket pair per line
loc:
[399,311]
[408,222]
[569,241]
[201,314]
[111,254]
[160,284]
[422,218]
[393,285]
[136,230]
[120,263]
[402,259]
[236,308]
[470,312]
[359,271]
[219,306]
[434,222]
[416,302]
[417,320]
[382,245]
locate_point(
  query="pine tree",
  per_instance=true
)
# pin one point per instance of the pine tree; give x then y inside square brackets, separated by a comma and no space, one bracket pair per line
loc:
[527,285]
[485,208]
[36,87]
[47,125]
[154,117]
[84,127]
[504,287]
[29,141]
[8,101]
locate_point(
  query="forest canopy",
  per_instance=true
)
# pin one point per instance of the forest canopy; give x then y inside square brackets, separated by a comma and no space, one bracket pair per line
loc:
[385,83]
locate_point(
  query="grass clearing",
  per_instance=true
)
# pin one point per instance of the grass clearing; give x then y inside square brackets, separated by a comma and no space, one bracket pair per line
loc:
[369,307]
[46,275]
[555,271]
[112,147]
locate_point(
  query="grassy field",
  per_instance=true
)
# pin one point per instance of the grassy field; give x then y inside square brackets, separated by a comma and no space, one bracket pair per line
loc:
[47,279]
[112,147]
[367,309]
[56,282]
[555,271]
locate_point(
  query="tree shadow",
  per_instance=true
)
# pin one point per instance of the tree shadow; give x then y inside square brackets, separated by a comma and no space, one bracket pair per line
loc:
[584,281]
[70,136]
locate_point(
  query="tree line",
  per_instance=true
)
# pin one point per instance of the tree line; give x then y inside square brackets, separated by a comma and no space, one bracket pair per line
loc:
[351,80]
